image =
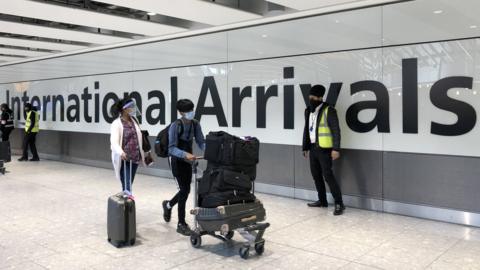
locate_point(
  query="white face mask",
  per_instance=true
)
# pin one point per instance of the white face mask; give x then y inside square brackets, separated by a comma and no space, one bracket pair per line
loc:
[189,115]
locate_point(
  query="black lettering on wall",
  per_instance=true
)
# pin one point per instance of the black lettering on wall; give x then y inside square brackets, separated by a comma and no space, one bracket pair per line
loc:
[305,88]
[16,104]
[381,105]
[25,98]
[86,96]
[106,106]
[75,108]
[410,95]
[46,100]
[36,104]
[160,106]
[173,98]
[288,107]
[262,99]
[333,92]
[209,86]
[466,114]
[97,102]
[237,99]
[56,99]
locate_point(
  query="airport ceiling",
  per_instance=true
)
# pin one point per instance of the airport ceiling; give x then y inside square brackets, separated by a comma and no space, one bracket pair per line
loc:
[33,28]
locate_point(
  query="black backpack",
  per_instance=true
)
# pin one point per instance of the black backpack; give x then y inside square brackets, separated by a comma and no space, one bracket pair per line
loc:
[161,143]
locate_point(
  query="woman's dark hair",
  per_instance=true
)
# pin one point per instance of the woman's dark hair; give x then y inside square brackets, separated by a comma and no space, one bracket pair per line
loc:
[4,106]
[185,105]
[117,107]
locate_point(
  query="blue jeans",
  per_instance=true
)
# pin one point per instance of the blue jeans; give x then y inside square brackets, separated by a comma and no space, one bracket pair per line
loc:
[125,171]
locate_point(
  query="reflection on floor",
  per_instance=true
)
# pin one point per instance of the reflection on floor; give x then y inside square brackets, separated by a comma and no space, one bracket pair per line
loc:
[53,216]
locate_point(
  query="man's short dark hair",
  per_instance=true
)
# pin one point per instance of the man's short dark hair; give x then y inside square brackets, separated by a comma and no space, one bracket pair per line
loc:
[185,105]
[28,105]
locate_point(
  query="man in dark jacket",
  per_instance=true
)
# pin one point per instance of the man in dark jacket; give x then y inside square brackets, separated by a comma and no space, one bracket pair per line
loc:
[321,142]
[6,122]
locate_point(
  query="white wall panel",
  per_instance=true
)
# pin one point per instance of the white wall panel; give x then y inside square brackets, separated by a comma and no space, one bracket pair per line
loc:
[333,32]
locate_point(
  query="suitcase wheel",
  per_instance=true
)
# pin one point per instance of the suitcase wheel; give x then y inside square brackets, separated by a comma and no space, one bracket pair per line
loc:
[260,247]
[229,235]
[244,252]
[132,242]
[195,240]
[109,240]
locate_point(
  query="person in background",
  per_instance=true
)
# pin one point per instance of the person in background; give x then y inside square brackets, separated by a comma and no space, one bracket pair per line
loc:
[6,122]
[32,120]
[126,142]
[321,141]
[180,148]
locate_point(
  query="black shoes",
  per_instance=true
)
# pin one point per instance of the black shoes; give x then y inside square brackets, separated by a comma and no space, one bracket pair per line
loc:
[184,229]
[338,209]
[35,159]
[317,204]
[23,159]
[167,213]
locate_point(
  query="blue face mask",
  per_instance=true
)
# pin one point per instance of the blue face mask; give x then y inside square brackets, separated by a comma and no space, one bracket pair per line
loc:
[189,115]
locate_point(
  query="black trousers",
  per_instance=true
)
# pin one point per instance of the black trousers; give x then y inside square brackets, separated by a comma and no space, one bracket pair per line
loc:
[321,168]
[29,141]
[6,134]
[182,171]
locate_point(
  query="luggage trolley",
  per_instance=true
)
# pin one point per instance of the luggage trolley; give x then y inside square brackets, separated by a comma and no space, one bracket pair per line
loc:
[227,219]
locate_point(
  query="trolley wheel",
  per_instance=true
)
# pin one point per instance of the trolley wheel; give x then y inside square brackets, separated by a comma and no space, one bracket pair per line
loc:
[229,235]
[195,240]
[260,247]
[244,252]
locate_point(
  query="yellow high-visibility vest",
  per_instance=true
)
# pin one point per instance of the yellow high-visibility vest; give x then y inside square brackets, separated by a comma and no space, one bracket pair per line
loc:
[325,138]
[36,127]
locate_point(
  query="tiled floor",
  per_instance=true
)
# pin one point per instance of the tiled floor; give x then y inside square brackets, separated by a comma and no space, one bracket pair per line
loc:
[53,216]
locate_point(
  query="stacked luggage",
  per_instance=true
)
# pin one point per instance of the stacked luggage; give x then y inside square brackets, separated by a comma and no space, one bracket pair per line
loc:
[225,194]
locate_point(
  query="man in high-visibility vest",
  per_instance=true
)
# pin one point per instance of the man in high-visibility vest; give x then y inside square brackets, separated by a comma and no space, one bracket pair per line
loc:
[31,129]
[321,142]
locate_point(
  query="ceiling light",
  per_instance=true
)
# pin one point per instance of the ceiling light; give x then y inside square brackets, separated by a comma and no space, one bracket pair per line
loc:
[438,11]
[151,13]
[473,26]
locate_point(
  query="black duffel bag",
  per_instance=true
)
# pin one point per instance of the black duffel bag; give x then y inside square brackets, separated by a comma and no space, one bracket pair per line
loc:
[216,199]
[225,149]
[221,179]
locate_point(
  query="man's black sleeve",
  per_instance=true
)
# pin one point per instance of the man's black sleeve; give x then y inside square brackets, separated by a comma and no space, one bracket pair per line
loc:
[32,122]
[306,134]
[332,120]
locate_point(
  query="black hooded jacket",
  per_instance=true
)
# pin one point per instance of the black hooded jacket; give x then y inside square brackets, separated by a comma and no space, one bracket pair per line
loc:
[332,120]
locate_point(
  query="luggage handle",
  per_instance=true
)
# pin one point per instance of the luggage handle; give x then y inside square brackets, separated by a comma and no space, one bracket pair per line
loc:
[125,176]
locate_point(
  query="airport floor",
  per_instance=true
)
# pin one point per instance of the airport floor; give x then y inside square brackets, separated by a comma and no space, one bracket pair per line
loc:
[53,216]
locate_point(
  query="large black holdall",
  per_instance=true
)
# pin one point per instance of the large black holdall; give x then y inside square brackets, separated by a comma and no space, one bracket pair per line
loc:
[215,199]
[225,149]
[121,219]
[223,179]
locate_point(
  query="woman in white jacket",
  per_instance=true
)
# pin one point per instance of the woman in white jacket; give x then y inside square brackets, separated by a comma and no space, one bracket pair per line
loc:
[126,142]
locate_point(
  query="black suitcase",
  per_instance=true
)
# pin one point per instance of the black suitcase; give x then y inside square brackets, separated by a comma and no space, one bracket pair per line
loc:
[230,217]
[5,152]
[121,220]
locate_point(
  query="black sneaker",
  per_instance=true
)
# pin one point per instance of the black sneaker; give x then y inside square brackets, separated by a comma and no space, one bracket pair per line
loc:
[184,229]
[167,213]
[338,209]
[317,204]
[22,159]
